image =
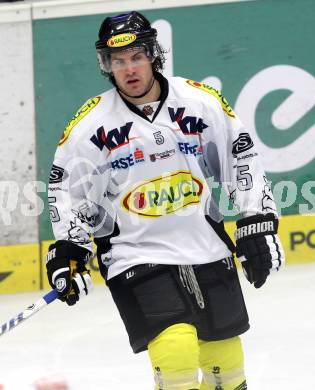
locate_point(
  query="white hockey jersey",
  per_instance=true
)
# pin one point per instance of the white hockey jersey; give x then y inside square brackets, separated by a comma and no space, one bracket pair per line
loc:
[151,180]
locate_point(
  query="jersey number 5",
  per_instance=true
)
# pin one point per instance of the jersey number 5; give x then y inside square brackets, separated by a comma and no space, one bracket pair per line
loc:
[244,179]
[53,211]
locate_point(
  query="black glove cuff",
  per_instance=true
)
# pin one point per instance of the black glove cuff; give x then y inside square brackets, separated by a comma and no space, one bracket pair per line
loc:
[69,250]
[256,226]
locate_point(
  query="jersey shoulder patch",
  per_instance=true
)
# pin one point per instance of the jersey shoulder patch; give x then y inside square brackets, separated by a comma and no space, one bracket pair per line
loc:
[81,113]
[217,94]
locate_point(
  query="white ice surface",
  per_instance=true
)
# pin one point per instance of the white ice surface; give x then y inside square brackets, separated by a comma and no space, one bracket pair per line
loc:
[88,346]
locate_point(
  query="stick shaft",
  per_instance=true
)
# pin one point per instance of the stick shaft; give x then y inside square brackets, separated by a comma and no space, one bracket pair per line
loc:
[28,312]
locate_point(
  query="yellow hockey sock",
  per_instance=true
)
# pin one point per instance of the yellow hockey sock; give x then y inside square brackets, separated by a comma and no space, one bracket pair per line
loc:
[222,364]
[174,355]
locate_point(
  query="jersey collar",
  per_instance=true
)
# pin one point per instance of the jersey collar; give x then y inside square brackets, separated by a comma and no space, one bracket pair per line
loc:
[163,96]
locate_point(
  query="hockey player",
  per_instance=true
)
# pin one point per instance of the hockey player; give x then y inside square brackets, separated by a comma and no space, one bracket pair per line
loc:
[134,169]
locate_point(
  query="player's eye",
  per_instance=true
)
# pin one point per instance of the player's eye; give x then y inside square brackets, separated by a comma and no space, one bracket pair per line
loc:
[140,57]
[117,63]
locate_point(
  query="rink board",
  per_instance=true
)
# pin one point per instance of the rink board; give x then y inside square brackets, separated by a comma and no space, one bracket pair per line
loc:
[21,269]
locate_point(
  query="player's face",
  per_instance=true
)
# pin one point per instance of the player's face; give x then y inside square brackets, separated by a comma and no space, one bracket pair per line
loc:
[132,70]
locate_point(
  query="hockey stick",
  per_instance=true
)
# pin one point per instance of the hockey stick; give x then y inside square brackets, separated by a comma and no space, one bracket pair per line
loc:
[29,311]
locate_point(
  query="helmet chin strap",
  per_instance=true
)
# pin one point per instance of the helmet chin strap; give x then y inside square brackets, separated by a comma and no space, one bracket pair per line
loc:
[143,94]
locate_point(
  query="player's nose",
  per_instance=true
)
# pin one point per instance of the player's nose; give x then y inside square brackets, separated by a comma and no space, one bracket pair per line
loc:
[129,67]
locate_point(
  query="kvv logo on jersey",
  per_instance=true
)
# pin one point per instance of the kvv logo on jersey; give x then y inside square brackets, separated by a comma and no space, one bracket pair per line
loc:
[113,139]
[163,195]
[188,124]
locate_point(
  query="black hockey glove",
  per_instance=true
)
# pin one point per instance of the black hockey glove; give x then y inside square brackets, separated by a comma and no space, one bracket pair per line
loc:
[258,247]
[66,271]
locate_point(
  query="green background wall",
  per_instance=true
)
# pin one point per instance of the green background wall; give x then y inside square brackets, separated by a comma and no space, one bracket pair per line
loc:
[231,41]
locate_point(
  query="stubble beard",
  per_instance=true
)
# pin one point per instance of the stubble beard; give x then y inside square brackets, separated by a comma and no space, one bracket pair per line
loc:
[146,89]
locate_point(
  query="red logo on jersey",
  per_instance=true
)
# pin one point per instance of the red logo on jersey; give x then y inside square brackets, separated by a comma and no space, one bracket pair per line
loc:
[139,200]
[138,154]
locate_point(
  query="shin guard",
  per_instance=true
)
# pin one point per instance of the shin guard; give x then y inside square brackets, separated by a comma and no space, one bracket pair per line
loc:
[174,355]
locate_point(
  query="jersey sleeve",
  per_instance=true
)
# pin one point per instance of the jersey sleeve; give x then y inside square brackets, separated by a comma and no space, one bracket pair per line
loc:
[77,187]
[237,164]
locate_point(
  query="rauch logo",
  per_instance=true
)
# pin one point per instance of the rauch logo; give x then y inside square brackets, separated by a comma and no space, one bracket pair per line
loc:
[163,195]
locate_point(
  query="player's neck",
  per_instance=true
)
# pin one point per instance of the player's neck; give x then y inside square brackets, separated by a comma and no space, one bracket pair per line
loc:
[152,96]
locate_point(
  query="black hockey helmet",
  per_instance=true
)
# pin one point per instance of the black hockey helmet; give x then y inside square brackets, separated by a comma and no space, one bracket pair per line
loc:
[124,32]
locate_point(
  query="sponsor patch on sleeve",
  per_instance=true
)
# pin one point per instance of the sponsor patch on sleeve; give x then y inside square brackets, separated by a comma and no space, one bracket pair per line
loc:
[83,111]
[243,143]
[57,175]
[217,94]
